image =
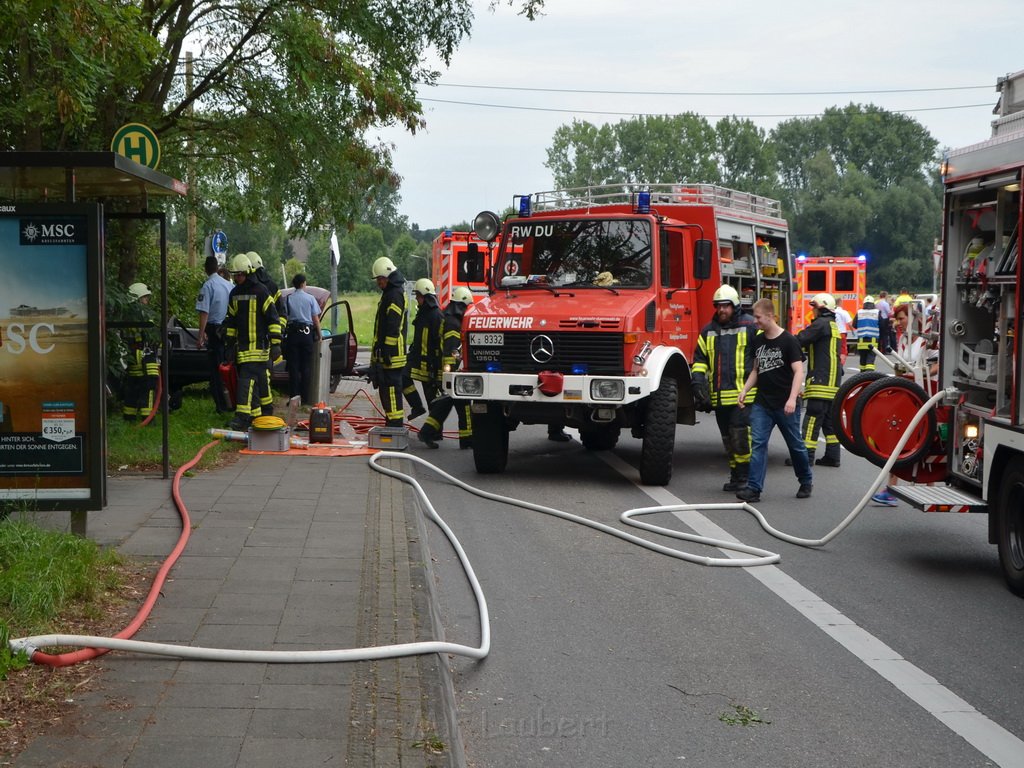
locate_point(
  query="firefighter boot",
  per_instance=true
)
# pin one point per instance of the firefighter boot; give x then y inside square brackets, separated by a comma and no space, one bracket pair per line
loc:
[737,478]
[412,397]
[831,457]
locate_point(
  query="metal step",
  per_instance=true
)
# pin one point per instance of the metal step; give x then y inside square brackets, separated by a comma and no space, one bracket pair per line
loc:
[938,498]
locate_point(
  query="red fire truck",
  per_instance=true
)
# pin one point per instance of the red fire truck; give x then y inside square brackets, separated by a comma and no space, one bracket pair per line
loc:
[460,258]
[972,447]
[845,277]
[596,302]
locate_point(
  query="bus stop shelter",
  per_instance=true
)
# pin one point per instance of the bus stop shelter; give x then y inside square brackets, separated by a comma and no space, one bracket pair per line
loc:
[55,209]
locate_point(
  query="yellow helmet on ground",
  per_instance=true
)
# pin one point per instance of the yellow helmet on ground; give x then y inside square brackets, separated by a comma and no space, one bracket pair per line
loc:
[240,264]
[139,290]
[726,293]
[824,301]
[424,287]
[463,295]
[383,267]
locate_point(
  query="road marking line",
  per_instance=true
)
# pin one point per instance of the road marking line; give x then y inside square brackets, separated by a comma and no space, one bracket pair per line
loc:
[984,734]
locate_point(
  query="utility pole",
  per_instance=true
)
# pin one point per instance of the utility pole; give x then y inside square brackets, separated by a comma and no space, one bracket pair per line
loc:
[190,229]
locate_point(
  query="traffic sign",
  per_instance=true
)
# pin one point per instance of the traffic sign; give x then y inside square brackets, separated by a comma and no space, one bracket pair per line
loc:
[220,244]
[137,142]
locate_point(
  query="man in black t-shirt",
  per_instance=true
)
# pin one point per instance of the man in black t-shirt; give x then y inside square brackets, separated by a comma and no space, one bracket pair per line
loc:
[778,375]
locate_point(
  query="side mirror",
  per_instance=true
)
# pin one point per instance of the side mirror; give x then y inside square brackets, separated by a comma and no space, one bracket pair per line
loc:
[702,260]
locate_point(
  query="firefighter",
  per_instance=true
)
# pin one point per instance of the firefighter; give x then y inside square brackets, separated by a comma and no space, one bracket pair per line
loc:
[253,336]
[722,363]
[868,327]
[387,358]
[431,431]
[143,370]
[821,340]
[424,360]
[263,276]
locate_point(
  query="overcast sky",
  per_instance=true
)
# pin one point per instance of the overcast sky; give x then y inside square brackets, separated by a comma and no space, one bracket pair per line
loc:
[471,158]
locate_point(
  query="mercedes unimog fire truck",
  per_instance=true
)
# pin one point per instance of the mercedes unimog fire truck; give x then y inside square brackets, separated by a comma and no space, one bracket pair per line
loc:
[972,447]
[597,298]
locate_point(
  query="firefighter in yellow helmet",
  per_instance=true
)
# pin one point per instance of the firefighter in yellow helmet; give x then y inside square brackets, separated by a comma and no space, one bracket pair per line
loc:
[821,341]
[721,365]
[253,337]
[142,372]
[867,325]
[388,357]
[424,360]
[431,432]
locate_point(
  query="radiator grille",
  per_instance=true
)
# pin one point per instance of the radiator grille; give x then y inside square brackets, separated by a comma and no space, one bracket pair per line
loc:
[602,353]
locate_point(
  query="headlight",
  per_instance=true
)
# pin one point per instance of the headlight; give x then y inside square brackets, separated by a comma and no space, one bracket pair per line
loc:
[469,386]
[607,389]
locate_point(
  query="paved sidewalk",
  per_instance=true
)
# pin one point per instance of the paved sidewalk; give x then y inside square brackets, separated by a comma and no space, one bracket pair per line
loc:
[286,553]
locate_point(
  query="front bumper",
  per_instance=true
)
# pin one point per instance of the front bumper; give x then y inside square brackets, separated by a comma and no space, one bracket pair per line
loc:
[606,391]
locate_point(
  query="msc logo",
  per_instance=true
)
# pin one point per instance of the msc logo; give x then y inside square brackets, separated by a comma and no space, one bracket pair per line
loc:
[52,233]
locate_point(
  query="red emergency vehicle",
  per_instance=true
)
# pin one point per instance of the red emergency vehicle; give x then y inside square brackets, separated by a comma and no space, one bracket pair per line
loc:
[845,277]
[968,454]
[597,299]
[460,258]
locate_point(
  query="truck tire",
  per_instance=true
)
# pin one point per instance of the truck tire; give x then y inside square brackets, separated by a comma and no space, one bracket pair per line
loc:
[490,441]
[843,405]
[1010,525]
[881,414]
[659,434]
[602,438]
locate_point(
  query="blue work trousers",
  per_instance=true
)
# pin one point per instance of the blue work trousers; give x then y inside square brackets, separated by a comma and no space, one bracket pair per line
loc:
[762,422]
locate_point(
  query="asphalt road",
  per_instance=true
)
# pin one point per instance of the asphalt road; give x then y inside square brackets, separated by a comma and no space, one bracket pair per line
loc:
[605,654]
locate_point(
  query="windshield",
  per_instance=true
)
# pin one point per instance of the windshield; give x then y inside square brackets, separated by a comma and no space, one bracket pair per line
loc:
[593,253]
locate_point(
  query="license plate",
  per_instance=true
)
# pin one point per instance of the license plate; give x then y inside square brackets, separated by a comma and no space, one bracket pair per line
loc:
[487,339]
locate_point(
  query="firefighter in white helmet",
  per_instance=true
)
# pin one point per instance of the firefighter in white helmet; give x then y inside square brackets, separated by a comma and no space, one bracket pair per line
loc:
[451,341]
[868,327]
[142,372]
[387,357]
[821,341]
[424,360]
[721,365]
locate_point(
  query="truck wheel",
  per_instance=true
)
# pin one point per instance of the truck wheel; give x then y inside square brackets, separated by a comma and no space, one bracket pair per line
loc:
[844,402]
[490,441]
[602,438]
[880,415]
[659,434]
[1010,525]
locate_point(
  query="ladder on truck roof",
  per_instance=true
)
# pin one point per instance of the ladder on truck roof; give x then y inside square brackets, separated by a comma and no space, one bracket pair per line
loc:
[938,498]
[665,194]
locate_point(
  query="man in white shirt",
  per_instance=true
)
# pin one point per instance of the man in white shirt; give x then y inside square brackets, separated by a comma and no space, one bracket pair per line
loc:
[212,305]
[843,322]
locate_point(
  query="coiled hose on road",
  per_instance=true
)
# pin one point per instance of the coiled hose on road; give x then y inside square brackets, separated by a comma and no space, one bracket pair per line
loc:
[94,646]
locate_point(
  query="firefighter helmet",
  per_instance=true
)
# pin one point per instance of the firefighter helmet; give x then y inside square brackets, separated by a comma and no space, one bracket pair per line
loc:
[869,299]
[383,267]
[255,259]
[424,287]
[824,301]
[139,290]
[726,293]
[240,264]
[463,295]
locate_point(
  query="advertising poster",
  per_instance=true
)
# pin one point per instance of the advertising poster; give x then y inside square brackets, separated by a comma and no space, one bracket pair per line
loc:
[50,356]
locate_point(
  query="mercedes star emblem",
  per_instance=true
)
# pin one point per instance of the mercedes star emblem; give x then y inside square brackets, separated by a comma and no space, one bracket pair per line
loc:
[542,349]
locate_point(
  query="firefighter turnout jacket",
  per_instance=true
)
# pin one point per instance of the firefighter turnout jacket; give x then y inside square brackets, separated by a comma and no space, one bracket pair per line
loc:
[723,358]
[822,341]
[867,327]
[425,351]
[252,323]
[389,325]
[452,332]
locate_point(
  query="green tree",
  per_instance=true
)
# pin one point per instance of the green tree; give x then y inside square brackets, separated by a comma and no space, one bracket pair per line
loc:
[582,155]
[282,102]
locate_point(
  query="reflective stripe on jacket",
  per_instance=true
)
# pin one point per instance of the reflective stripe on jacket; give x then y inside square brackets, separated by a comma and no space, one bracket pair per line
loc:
[822,341]
[724,357]
[252,323]
[389,325]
